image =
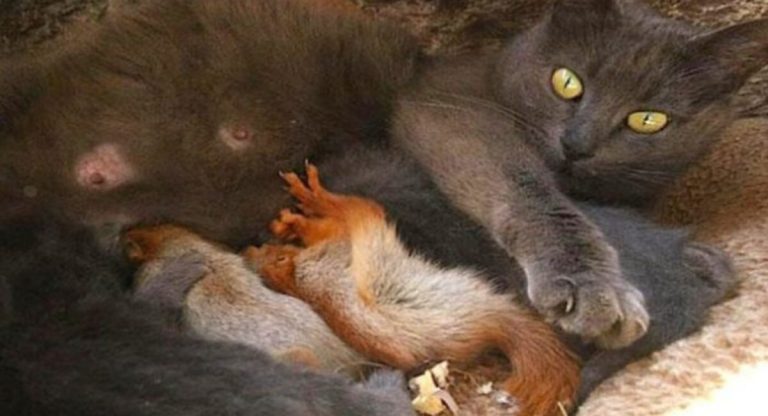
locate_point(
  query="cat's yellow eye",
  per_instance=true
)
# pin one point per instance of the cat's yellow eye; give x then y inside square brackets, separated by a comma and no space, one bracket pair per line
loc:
[567,84]
[647,122]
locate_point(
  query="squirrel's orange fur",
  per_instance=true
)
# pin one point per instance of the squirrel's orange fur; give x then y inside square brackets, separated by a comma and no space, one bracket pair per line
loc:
[376,323]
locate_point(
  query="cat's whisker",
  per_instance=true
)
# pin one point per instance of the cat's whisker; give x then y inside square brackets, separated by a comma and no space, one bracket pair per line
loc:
[635,176]
[506,111]
[519,120]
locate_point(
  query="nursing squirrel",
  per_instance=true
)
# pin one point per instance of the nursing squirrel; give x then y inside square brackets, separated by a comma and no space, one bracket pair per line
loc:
[221,299]
[396,307]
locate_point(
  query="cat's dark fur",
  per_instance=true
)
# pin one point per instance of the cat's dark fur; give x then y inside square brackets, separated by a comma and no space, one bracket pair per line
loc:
[508,151]
[73,343]
[159,91]
[154,85]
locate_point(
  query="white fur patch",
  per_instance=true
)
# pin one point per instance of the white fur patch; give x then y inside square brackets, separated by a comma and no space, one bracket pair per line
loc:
[235,137]
[104,168]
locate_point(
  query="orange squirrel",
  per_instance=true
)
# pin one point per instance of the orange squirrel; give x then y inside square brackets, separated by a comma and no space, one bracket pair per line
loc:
[222,299]
[396,307]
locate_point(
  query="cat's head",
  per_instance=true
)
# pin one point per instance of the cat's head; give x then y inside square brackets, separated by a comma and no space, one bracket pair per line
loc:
[620,100]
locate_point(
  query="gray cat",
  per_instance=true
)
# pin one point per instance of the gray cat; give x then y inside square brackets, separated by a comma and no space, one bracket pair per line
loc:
[602,100]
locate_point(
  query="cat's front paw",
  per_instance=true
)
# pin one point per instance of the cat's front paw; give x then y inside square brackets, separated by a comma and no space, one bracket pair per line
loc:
[597,305]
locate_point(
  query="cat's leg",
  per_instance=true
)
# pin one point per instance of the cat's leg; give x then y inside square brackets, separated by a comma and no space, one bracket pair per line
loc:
[573,274]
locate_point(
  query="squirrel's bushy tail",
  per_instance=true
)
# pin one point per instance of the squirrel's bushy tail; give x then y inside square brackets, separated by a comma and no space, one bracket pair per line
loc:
[545,373]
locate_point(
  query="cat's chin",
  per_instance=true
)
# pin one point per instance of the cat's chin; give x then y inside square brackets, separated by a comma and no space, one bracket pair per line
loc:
[587,184]
[554,159]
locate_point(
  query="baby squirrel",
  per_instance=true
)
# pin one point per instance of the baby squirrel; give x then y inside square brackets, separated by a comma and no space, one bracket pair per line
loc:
[396,307]
[222,299]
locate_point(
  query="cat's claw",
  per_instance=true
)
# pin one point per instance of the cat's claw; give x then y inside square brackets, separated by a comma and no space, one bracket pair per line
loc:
[569,304]
[631,326]
[602,309]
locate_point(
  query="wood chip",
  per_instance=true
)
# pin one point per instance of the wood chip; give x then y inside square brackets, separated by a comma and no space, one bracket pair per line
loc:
[432,395]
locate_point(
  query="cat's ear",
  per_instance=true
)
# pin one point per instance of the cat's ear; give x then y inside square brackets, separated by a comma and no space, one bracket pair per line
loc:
[733,53]
[574,15]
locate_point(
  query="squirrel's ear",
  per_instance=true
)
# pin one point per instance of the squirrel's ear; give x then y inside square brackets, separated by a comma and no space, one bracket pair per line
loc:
[141,244]
[732,54]
[133,250]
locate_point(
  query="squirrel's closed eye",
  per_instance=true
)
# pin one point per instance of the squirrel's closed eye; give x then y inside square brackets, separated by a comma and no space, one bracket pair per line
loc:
[647,122]
[133,251]
[566,84]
